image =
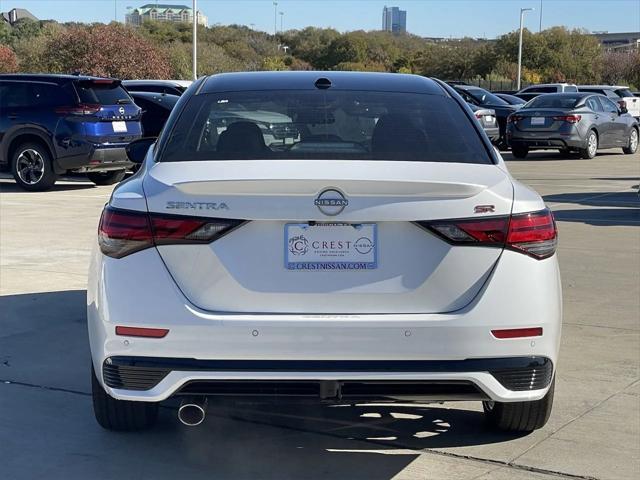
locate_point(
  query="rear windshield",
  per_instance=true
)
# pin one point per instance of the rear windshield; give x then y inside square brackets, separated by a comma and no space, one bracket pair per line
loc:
[102,93]
[554,101]
[540,90]
[484,97]
[324,124]
[624,92]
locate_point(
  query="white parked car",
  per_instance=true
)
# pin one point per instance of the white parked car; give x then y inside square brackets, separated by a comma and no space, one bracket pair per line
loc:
[376,248]
[533,91]
[617,93]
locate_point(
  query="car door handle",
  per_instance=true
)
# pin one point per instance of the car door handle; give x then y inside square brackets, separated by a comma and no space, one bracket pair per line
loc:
[12,116]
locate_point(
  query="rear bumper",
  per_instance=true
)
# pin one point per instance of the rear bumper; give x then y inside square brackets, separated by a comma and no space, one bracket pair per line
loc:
[206,348]
[107,158]
[554,141]
[157,378]
[493,133]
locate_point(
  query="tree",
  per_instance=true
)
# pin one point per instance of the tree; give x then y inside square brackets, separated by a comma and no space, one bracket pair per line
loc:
[5,33]
[347,48]
[8,60]
[105,50]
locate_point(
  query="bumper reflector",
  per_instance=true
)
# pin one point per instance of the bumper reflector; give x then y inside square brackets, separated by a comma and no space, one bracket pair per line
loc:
[518,332]
[142,332]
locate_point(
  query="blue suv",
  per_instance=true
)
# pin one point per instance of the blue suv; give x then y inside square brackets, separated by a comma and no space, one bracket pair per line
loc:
[52,124]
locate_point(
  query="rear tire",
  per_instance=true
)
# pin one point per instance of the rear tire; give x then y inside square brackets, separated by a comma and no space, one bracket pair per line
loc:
[32,167]
[121,415]
[520,152]
[632,146]
[591,148]
[520,416]
[106,178]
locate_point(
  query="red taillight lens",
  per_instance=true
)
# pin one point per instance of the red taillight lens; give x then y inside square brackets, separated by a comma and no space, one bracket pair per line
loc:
[122,232]
[531,233]
[80,109]
[514,118]
[567,118]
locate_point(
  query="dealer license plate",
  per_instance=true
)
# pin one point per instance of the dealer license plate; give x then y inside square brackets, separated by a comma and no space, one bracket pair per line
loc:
[330,246]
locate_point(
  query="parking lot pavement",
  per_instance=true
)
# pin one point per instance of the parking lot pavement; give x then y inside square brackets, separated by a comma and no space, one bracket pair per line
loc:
[47,427]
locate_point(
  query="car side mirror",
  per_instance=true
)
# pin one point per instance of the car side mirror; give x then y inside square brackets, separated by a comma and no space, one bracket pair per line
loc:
[137,150]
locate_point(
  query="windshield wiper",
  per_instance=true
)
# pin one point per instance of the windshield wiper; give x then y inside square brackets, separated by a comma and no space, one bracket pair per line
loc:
[123,101]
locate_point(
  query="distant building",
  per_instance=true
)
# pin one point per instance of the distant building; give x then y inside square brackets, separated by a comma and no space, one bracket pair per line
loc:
[394,20]
[619,41]
[12,16]
[163,13]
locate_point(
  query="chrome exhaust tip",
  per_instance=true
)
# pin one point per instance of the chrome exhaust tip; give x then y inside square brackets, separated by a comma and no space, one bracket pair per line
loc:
[192,411]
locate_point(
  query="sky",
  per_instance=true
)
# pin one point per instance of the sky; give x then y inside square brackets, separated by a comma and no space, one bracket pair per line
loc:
[427,18]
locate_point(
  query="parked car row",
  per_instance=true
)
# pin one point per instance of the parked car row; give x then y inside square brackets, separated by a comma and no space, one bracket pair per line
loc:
[572,122]
[54,124]
[617,93]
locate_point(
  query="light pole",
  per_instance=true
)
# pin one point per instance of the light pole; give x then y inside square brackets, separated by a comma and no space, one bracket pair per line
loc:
[195,40]
[540,27]
[522,12]
[275,18]
[281,21]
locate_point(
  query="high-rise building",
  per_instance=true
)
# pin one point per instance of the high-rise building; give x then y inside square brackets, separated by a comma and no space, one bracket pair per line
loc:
[394,20]
[163,13]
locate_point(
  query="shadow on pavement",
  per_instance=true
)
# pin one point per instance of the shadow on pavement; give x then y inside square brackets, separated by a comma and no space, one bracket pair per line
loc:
[43,344]
[597,199]
[9,185]
[604,217]
[620,208]
[547,155]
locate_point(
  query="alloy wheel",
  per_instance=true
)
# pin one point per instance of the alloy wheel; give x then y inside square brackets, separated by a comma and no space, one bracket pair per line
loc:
[30,166]
[592,144]
[633,140]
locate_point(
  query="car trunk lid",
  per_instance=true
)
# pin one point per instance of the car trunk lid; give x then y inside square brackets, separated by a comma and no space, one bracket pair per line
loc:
[249,269]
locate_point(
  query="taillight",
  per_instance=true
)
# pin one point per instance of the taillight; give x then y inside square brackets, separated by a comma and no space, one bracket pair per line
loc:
[514,118]
[80,109]
[567,118]
[123,232]
[533,233]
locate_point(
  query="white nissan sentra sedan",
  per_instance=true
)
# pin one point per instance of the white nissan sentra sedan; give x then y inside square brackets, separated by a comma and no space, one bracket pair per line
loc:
[349,237]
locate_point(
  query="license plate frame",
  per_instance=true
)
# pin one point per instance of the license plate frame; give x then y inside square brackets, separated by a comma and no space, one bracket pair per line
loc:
[346,247]
[538,121]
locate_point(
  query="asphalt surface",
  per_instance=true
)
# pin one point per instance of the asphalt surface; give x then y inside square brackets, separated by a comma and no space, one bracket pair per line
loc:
[47,428]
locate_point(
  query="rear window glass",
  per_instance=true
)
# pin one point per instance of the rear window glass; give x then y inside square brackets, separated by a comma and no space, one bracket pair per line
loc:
[324,124]
[624,92]
[102,93]
[554,101]
[483,97]
[540,90]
